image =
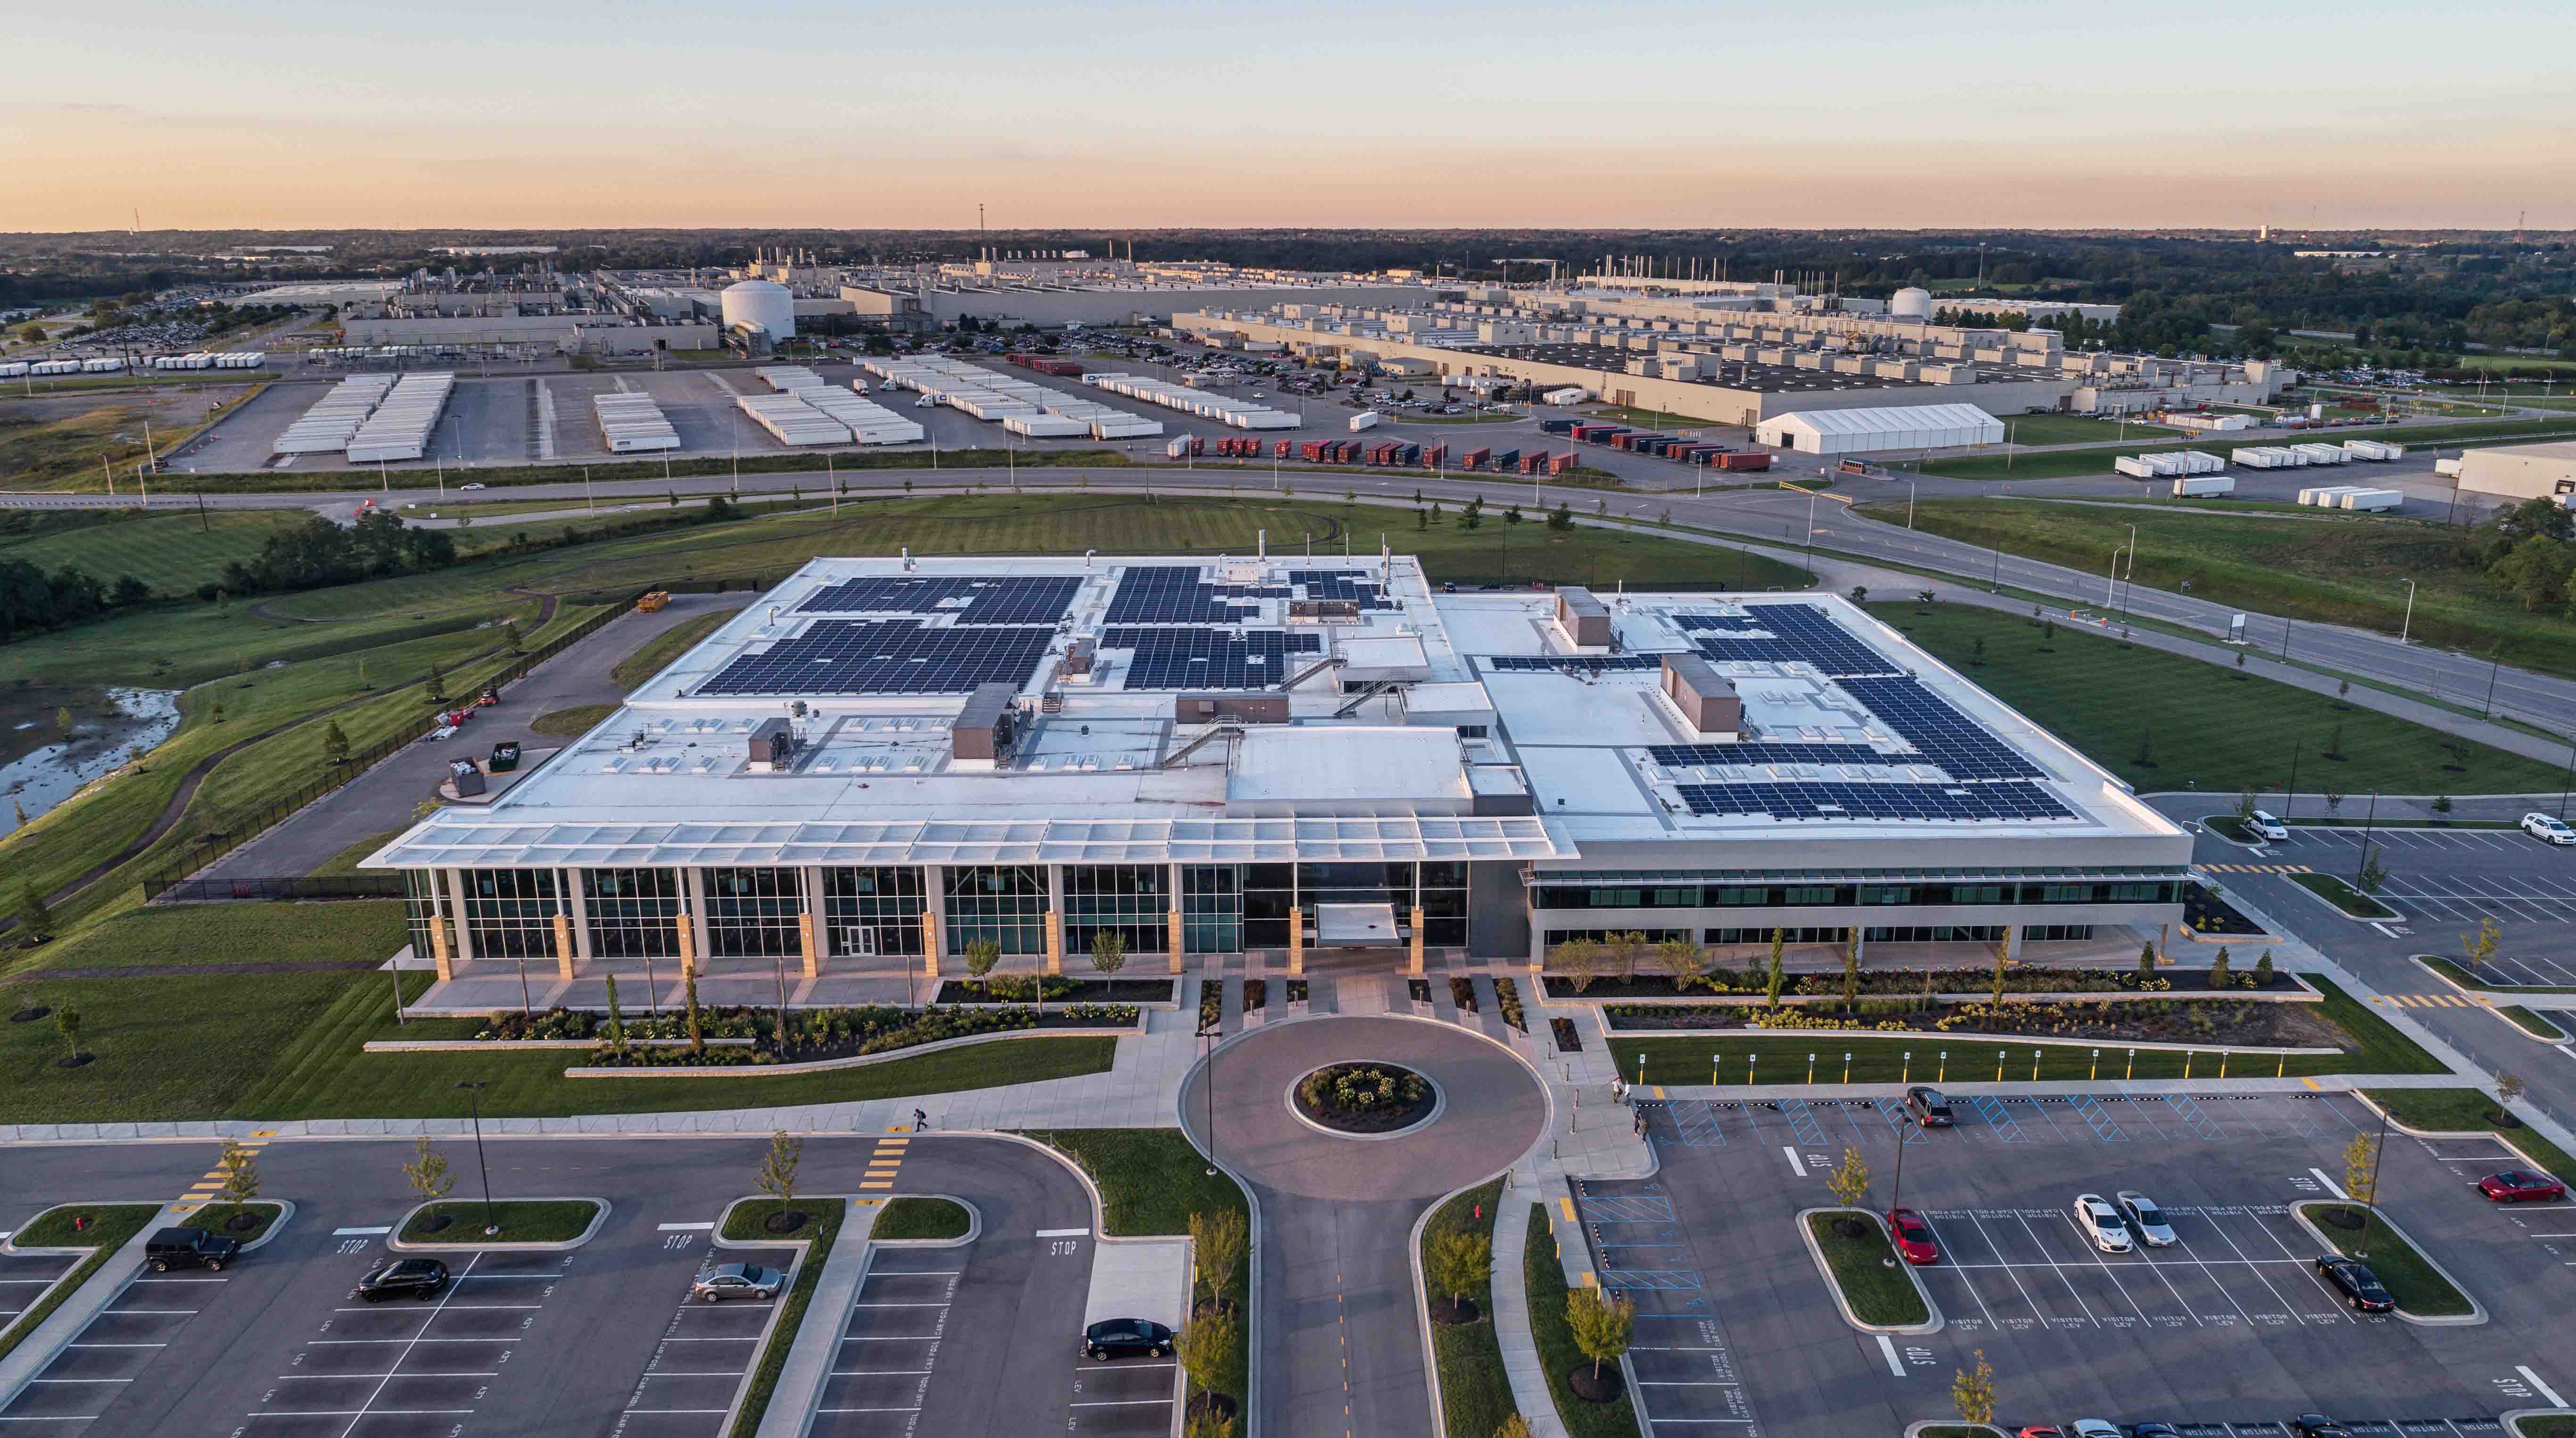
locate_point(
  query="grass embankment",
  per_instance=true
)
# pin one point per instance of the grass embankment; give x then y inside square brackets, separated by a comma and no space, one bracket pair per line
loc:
[2416,1285]
[2470,1110]
[1877,1293]
[1543,1278]
[655,654]
[174,553]
[521,1220]
[1475,1393]
[2531,1023]
[2059,464]
[346,861]
[747,1223]
[2351,902]
[572,723]
[112,1226]
[2167,722]
[76,451]
[2331,571]
[917,1218]
[2030,429]
[1151,1180]
[2372,1046]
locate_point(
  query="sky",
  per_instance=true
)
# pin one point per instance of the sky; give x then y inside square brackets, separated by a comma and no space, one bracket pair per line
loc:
[1836,113]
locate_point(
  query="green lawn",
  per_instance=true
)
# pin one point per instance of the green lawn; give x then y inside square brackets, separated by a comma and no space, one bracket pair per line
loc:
[1877,1293]
[2200,724]
[655,654]
[218,1218]
[2532,1023]
[228,933]
[2466,1110]
[1544,1279]
[2343,896]
[574,722]
[172,553]
[1475,1394]
[821,1227]
[1151,1180]
[2030,429]
[2418,1288]
[346,861]
[520,1220]
[921,1218]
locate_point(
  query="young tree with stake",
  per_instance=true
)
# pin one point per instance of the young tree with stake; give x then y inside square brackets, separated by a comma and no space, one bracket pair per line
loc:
[1602,1325]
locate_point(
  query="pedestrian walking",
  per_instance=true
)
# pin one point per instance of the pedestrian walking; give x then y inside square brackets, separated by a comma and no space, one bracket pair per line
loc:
[1641,1123]
[920,1120]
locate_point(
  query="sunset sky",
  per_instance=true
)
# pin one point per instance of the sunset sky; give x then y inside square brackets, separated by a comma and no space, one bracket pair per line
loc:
[474,114]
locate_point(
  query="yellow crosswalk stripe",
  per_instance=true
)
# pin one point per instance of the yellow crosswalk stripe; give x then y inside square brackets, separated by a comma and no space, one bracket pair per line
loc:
[876,1185]
[1568,1205]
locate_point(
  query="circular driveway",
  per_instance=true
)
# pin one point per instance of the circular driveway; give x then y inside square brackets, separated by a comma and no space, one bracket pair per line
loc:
[1495,1109]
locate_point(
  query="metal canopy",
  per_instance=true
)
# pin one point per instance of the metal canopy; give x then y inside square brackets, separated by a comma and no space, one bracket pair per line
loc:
[464,843]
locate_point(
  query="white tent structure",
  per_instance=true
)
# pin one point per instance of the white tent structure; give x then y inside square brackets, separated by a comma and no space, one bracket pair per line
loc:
[1858,431]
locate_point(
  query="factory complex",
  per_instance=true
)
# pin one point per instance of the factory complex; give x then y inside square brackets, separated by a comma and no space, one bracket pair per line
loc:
[894,762]
[1735,353]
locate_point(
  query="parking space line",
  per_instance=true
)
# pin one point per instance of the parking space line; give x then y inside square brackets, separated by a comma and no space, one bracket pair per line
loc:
[2012,1272]
[1794,1164]
[2058,1269]
[2179,1301]
[2543,1389]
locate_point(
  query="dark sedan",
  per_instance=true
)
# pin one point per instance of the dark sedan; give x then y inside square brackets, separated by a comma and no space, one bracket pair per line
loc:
[403,1278]
[1126,1338]
[2357,1284]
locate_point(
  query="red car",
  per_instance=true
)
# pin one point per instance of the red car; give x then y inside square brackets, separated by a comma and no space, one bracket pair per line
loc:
[1914,1240]
[2516,1185]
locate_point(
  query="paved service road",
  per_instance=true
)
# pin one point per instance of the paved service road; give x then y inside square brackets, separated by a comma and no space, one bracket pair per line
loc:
[1341,1348]
[596,1341]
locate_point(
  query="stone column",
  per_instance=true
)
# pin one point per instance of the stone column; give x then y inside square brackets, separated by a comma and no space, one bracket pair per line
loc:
[2012,943]
[438,947]
[693,920]
[934,917]
[464,930]
[1413,964]
[1180,933]
[814,906]
[805,940]
[1054,925]
[1296,941]
[688,932]
[576,891]
[563,944]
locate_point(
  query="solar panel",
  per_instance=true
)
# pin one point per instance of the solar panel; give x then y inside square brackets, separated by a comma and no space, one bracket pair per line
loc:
[1689,622]
[1802,800]
[1342,584]
[1176,594]
[1570,663]
[1209,658]
[1766,752]
[998,599]
[896,656]
[1957,743]
[1786,634]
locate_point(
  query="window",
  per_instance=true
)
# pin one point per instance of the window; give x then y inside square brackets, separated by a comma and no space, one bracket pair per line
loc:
[1127,899]
[633,913]
[874,911]
[2045,933]
[511,912]
[752,913]
[1887,894]
[1602,936]
[1006,903]
[1813,896]
[1935,934]
[1471,731]
[1212,909]
[1762,936]
[1269,891]
[428,898]
[1443,890]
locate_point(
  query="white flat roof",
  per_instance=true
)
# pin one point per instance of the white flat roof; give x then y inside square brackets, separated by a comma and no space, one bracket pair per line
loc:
[1342,764]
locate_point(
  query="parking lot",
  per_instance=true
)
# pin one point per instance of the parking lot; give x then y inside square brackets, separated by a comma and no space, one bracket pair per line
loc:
[109,1354]
[698,1364]
[2230,1329]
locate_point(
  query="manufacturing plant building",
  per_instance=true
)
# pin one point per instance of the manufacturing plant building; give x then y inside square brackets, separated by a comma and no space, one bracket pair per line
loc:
[2521,471]
[883,762]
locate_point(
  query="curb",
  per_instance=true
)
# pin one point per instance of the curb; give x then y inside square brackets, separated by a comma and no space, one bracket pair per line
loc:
[974,1226]
[1422,1308]
[598,1217]
[1826,1271]
[285,1211]
[853,1061]
[2485,991]
[853,1210]
[2477,1313]
[77,1310]
[2515,1416]
[1922,1426]
[1439,1103]
[2541,1014]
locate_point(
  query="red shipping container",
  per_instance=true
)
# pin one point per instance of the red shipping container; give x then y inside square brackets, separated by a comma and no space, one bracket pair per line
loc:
[1475,459]
[1282,451]
[1435,456]
[1559,464]
[1744,460]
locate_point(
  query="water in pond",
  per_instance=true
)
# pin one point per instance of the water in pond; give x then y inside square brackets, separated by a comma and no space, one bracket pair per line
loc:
[39,768]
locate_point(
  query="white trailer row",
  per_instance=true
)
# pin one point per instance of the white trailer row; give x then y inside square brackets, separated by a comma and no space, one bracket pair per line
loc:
[869,421]
[211,359]
[2351,496]
[2194,486]
[1234,413]
[401,426]
[2212,423]
[1023,407]
[2163,466]
[791,421]
[2374,449]
[2268,456]
[326,427]
[632,422]
[46,367]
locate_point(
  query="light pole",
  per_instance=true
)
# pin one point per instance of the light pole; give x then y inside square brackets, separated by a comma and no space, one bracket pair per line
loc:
[2408,626]
[1210,1035]
[2370,1205]
[1909,503]
[2367,821]
[2111,579]
[474,1095]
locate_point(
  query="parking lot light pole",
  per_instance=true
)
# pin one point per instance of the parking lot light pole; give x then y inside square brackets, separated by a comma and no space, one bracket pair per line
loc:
[2364,861]
[2408,623]
[2370,1205]
[474,1095]
[1210,1034]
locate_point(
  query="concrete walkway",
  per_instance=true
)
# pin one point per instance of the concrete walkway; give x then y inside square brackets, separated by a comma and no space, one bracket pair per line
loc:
[77,1310]
[818,1339]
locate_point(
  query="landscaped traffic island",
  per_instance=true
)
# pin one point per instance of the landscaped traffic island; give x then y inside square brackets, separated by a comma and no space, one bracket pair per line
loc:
[1863,1265]
[1366,1098]
[470,1223]
[926,1219]
[2417,1287]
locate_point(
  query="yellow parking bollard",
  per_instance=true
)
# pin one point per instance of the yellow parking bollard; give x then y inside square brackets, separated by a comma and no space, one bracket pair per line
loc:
[2000,1056]
[2222,1063]
[1905,1074]
[2186,1063]
[1944,1075]
[2034,1065]
[2132,1071]
[1846,1066]
[1811,1068]
[2284,1067]
[2095,1071]
[1712,1069]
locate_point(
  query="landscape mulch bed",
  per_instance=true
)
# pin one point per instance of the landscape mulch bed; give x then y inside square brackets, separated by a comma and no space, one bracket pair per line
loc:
[2198,1021]
[1388,1116]
[1081,991]
[1907,983]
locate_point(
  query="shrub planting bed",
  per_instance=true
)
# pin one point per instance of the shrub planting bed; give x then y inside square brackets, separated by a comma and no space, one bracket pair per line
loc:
[1507,997]
[817,1034]
[2195,1021]
[1365,1097]
[1014,989]
[1909,983]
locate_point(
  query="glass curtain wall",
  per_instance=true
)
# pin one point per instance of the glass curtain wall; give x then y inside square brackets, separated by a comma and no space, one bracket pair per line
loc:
[1130,900]
[874,911]
[1003,902]
[751,913]
[1212,909]
[511,912]
[634,913]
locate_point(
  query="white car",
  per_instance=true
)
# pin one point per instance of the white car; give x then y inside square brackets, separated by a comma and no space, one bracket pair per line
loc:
[2263,826]
[2145,1219]
[2548,830]
[470,486]
[2101,1223]
[2095,1428]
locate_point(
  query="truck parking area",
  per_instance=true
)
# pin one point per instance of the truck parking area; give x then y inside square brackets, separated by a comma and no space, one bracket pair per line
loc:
[2225,1334]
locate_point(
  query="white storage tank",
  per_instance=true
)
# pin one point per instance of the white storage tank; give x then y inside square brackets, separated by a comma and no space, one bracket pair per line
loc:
[1910,303]
[762,305]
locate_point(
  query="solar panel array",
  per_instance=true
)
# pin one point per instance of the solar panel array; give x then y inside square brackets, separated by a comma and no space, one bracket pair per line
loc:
[1716,621]
[897,656]
[1000,599]
[1570,663]
[1342,584]
[1795,800]
[1175,594]
[1799,633]
[1209,658]
[1764,752]
[1947,737]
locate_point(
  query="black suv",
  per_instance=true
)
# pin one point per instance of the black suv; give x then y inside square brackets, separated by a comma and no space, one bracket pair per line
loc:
[170,1248]
[403,1278]
[1926,1107]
